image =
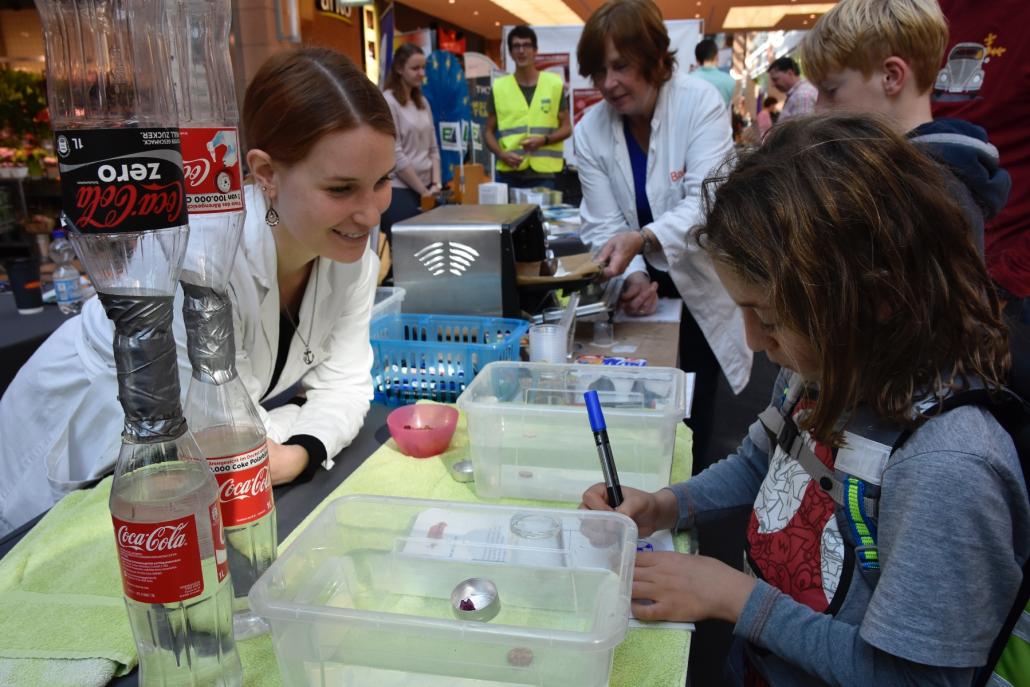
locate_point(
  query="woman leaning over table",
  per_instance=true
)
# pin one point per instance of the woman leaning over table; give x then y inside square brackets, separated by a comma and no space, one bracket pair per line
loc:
[418,157]
[642,155]
[321,153]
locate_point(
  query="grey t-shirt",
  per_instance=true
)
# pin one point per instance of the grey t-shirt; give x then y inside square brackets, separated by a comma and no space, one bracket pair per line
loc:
[954,531]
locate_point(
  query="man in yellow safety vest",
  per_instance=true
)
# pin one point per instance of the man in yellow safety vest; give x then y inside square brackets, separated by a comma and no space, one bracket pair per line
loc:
[528,118]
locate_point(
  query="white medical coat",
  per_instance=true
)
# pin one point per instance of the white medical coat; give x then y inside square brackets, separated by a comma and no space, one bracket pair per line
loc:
[690,139]
[60,421]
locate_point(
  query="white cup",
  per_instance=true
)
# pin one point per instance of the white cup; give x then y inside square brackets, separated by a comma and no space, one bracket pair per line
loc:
[547,343]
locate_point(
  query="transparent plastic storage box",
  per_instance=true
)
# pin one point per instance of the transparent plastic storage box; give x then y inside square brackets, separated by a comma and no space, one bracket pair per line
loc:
[529,435]
[363,596]
[388,301]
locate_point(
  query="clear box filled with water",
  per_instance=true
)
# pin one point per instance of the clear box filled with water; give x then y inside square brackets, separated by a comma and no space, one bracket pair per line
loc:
[529,435]
[394,591]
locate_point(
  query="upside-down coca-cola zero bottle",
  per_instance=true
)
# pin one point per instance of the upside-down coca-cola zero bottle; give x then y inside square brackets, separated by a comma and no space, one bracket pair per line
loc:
[220,412]
[123,194]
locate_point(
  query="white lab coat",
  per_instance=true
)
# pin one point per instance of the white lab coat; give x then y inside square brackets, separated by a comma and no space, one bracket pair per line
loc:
[60,421]
[690,138]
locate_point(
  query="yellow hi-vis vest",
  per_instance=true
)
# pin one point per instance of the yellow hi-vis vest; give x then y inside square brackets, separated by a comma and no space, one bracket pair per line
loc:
[516,119]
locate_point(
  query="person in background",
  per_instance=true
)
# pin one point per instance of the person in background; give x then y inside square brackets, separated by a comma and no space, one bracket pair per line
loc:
[707,55]
[642,154]
[785,75]
[855,271]
[528,118]
[321,152]
[882,56]
[764,120]
[990,39]
[418,157]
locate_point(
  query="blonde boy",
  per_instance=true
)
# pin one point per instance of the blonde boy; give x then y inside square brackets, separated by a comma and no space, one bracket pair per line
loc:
[883,56]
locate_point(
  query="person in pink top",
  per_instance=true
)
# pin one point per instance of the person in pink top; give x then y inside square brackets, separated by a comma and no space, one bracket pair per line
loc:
[764,120]
[418,156]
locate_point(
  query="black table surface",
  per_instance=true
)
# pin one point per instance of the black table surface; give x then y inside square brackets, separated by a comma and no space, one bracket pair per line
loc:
[21,335]
[293,502]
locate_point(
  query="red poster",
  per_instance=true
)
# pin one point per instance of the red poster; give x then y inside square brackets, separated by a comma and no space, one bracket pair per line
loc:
[557,62]
[244,486]
[160,561]
[582,100]
[211,165]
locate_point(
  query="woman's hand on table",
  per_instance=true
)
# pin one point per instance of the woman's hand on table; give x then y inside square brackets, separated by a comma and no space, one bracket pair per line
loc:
[650,511]
[684,587]
[639,295]
[286,461]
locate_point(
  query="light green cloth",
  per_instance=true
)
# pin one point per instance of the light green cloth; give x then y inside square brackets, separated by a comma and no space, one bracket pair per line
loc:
[62,616]
[51,636]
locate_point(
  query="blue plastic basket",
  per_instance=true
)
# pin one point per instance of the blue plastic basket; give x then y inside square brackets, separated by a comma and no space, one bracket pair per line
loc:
[436,356]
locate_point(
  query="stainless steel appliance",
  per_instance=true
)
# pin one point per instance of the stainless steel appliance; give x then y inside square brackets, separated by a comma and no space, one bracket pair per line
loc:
[461,258]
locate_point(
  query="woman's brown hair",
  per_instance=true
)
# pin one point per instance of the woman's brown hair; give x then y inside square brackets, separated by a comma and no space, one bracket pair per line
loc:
[299,96]
[637,31]
[851,231]
[395,83]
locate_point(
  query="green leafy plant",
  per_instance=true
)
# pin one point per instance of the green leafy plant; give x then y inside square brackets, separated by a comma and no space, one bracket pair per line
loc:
[23,109]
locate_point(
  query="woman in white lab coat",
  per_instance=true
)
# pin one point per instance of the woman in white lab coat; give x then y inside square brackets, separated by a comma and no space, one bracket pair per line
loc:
[321,140]
[642,154]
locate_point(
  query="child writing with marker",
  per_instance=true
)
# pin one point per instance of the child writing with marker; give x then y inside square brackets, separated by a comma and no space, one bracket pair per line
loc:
[886,539]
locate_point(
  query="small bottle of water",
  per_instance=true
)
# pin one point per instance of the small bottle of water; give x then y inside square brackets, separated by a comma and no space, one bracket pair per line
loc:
[66,276]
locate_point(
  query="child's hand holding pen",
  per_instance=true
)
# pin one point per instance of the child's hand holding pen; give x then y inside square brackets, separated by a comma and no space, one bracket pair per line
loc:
[651,511]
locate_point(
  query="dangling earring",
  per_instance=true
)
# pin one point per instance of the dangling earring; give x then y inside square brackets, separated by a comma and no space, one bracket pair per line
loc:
[271,217]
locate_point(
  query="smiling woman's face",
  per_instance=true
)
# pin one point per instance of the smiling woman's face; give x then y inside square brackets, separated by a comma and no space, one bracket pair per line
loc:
[330,201]
[623,85]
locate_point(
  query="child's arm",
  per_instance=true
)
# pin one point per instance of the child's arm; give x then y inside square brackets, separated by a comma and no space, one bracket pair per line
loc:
[830,648]
[733,482]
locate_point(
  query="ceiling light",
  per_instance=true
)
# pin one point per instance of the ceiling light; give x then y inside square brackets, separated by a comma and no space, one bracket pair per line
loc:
[475,12]
[811,16]
[497,23]
[541,12]
[769,15]
[697,16]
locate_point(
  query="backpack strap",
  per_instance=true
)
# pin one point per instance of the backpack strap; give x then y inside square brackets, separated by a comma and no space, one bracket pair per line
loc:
[779,424]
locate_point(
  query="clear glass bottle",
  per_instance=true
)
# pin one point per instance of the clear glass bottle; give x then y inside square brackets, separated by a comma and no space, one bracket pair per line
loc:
[232,438]
[219,410]
[66,276]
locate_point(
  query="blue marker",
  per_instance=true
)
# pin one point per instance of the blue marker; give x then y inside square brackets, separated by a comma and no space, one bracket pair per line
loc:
[604,449]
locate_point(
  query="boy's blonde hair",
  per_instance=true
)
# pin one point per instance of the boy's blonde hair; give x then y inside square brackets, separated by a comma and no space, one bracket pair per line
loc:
[861,34]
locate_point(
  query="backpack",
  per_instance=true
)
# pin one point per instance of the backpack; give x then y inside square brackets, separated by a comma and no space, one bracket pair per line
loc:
[1008,664]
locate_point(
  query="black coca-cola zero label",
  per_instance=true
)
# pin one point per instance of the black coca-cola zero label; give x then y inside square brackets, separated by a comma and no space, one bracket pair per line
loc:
[115,180]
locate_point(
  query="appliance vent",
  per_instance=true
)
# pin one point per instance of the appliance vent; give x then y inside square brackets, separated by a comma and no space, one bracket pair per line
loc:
[447,257]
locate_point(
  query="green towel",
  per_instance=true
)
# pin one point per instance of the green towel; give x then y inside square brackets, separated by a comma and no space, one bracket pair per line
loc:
[647,657]
[50,636]
[62,616]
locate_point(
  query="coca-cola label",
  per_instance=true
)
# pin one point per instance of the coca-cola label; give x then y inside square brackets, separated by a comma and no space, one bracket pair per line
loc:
[244,486]
[218,537]
[118,180]
[160,561]
[211,164]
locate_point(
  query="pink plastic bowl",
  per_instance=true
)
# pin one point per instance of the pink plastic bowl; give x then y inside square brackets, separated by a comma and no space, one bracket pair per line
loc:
[422,430]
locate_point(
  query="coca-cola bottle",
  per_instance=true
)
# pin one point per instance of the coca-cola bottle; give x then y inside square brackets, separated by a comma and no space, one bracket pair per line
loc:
[123,194]
[219,410]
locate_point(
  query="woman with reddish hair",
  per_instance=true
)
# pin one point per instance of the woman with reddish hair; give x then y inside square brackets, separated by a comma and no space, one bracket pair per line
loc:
[642,154]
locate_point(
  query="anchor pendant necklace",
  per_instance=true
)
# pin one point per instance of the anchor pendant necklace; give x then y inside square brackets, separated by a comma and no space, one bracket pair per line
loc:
[309,357]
